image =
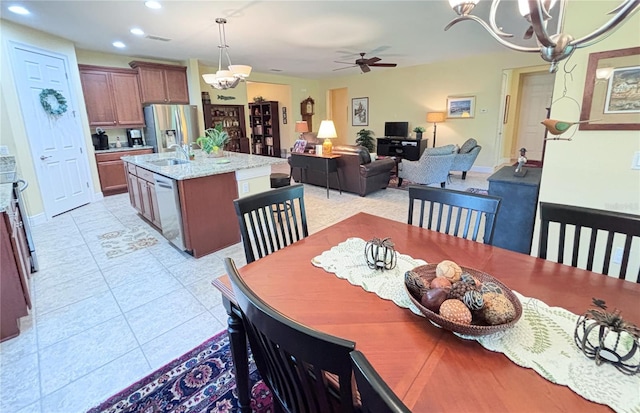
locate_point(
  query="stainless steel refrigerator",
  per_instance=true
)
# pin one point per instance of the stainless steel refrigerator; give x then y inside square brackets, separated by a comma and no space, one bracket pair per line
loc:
[169,124]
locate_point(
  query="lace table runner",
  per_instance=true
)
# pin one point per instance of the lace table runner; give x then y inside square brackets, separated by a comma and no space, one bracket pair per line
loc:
[541,340]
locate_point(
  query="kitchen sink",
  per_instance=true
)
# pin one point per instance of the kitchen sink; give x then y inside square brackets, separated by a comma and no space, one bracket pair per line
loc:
[168,161]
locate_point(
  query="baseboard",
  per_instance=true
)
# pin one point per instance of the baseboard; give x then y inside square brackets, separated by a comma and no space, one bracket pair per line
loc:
[97,196]
[37,219]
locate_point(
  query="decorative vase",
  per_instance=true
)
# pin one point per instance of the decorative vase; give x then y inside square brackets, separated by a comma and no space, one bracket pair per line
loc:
[216,153]
[418,135]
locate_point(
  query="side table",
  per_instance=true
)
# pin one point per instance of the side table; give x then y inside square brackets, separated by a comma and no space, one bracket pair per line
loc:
[322,163]
[516,217]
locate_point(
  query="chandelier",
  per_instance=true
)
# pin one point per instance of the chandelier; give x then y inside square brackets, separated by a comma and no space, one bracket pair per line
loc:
[226,79]
[552,47]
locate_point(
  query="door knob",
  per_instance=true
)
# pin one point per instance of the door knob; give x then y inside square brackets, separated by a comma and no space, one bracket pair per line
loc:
[42,157]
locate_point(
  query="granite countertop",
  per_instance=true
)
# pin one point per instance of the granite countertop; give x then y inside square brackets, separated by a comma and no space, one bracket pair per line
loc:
[202,165]
[124,149]
[5,196]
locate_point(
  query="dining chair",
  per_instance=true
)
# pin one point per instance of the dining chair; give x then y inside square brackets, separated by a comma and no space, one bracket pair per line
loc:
[375,394]
[475,207]
[271,220]
[598,222]
[294,360]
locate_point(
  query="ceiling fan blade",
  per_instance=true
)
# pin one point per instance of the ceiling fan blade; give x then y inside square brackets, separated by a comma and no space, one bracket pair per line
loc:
[346,67]
[365,68]
[372,60]
[344,63]
[383,64]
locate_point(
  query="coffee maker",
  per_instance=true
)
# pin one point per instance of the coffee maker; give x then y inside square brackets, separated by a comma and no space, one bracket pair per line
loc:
[100,140]
[134,137]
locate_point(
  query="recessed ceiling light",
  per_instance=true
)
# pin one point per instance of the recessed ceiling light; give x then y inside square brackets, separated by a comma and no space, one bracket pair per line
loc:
[119,45]
[18,10]
[152,4]
[137,32]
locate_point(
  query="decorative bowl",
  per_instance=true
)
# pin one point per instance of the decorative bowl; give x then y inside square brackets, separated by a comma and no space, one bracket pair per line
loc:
[429,271]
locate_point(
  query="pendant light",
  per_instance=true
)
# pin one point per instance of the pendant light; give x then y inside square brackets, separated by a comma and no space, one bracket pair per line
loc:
[230,78]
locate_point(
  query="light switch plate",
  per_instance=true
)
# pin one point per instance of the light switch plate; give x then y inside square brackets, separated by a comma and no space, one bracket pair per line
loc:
[636,161]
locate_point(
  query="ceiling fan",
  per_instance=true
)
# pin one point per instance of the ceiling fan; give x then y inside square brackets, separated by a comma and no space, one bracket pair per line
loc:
[366,64]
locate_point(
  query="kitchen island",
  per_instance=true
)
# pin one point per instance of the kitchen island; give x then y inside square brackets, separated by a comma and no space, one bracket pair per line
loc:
[191,202]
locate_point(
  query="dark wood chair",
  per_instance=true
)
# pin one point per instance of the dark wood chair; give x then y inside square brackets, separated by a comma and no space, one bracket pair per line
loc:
[477,207]
[375,394]
[271,220]
[294,360]
[607,223]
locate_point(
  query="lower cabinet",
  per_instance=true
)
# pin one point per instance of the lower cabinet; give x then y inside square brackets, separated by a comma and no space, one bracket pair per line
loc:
[15,269]
[142,193]
[110,170]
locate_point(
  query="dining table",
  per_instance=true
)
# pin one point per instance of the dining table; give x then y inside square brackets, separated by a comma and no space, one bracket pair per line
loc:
[431,369]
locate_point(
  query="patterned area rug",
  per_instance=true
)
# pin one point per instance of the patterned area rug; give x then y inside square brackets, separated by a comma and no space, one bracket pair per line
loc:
[121,242]
[478,191]
[200,381]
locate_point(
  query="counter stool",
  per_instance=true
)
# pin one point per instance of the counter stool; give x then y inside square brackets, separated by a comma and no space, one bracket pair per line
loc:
[279,180]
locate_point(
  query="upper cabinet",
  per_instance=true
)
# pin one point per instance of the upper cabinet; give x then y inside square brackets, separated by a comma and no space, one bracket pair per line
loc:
[112,96]
[162,83]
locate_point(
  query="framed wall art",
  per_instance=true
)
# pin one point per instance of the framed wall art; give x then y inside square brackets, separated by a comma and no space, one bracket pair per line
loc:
[611,99]
[360,111]
[284,115]
[461,107]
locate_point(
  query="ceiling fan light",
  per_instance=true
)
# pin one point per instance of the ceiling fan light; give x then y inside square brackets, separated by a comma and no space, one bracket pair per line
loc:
[241,71]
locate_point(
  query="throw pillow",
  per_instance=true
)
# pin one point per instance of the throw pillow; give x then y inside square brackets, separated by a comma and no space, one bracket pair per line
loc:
[441,150]
[373,156]
[468,145]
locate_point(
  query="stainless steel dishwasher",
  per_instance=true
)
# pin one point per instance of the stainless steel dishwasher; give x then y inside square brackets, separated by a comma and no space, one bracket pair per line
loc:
[169,209]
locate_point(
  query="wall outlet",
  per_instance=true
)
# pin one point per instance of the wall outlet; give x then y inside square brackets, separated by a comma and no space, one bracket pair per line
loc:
[245,187]
[617,256]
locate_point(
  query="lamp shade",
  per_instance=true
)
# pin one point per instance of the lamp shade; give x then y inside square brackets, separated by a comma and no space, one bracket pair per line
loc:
[435,117]
[209,78]
[327,130]
[301,126]
[241,71]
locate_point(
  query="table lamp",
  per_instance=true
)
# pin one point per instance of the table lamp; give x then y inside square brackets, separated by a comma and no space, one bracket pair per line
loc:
[435,118]
[328,132]
[301,127]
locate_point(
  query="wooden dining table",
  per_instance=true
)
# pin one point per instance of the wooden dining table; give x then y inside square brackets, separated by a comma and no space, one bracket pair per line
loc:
[430,369]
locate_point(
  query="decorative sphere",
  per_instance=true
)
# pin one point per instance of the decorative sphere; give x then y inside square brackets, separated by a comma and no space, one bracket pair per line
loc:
[491,287]
[497,309]
[440,282]
[455,310]
[449,269]
[473,300]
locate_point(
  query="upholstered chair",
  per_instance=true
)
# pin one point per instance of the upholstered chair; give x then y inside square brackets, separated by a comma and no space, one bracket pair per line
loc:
[433,166]
[466,156]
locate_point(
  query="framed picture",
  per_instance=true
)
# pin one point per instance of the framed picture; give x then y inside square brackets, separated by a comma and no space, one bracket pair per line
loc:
[284,115]
[611,99]
[360,111]
[461,107]
[505,116]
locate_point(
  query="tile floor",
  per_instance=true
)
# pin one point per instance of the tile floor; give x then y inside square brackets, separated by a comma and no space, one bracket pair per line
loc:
[99,323]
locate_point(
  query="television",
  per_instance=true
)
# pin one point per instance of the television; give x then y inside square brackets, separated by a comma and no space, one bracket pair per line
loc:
[396,129]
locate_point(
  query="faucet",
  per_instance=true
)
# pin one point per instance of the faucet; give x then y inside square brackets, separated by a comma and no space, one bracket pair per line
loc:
[183,148]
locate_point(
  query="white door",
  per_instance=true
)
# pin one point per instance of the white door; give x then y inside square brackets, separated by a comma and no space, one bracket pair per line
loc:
[56,142]
[535,98]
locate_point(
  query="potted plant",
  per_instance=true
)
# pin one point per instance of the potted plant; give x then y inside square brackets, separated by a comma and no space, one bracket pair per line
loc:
[365,138]
[214,140]
[418,130]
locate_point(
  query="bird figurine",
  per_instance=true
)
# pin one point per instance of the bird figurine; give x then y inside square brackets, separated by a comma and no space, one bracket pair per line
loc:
[558,127]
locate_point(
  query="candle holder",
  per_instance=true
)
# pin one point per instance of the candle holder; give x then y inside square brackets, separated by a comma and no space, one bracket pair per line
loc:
[380,254]
[605,337]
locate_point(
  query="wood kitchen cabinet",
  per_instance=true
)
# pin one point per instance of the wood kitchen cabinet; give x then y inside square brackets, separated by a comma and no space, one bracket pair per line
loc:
[15,299]
[113,179]
[142,193]
[112,96]
[162,83]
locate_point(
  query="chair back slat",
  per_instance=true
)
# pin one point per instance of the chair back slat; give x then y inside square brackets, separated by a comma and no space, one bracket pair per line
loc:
[375,394]
[475,207]
[271,220]
[294,360]
[599,222]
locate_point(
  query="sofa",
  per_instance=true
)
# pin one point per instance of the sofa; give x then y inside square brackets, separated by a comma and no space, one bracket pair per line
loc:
[432,168]
[358,174]
[466,156]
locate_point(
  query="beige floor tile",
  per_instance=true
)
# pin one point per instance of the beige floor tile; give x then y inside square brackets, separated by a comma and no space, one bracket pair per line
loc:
[51,297]
[20,383]
[146,287]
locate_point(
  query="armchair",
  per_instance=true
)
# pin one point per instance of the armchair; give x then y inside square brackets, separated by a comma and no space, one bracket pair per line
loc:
[466,156]
[432,167]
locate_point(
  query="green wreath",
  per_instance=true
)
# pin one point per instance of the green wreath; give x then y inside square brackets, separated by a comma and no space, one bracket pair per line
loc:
[44,101]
